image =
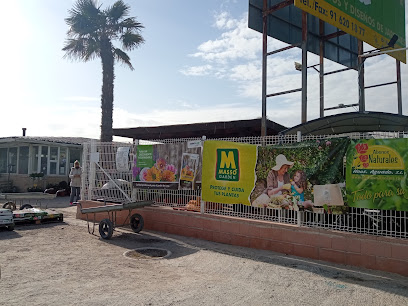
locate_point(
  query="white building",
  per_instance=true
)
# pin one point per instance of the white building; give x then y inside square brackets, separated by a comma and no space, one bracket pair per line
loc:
[37,161]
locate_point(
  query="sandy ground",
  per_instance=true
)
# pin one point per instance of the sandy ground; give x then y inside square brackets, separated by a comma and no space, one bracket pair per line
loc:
[62,264]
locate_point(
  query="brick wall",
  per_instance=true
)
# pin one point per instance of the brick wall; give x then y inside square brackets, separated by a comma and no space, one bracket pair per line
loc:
[372,252]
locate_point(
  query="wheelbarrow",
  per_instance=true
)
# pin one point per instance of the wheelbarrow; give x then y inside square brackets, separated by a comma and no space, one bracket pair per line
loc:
[107,226]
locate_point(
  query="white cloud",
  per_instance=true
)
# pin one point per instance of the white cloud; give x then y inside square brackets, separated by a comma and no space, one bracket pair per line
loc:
[224,21]
[197,70]
[237,42]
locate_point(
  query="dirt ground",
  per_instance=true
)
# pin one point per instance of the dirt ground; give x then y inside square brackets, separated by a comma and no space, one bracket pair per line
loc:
[62,264]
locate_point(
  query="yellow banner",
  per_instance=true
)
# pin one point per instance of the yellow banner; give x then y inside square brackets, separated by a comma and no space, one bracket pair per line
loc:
[350,25]
[228,174]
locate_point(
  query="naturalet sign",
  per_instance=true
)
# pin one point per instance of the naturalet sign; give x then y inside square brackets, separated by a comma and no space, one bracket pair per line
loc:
[228,174]
[372,21]
[376,174]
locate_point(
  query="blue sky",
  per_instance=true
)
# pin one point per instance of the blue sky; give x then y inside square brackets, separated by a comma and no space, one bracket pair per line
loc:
[200,63]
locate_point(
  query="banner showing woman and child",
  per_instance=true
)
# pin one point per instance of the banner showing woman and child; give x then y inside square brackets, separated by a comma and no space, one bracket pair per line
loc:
[285,176]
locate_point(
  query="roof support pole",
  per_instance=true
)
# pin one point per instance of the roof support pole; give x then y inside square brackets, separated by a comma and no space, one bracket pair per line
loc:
[321,70]
[304,64]
[264,65]
[361,96]
[399,90]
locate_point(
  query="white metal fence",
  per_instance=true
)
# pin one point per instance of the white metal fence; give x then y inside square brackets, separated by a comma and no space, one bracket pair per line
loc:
[101,182]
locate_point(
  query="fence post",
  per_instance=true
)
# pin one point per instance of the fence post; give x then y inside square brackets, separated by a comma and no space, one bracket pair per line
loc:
[299,136]
[92,170]
[299,217]
[202,203]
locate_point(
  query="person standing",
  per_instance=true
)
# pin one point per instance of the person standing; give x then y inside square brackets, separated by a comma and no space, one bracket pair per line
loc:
[75,176]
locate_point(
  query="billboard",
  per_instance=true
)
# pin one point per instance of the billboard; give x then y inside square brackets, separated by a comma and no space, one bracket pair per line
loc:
[286,25]
[372,21]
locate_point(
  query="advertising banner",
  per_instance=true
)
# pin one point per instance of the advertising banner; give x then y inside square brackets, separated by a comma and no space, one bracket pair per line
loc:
[188,170]
[228,172]
[372,21]
[159,166]
[377,175]
[122,159]
[300,174]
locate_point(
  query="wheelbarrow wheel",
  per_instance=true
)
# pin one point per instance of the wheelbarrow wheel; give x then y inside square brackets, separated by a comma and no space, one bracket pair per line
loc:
[136,223]
[10,205]
[106,229]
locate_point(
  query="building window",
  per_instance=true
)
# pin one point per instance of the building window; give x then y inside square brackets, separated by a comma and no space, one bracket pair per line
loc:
[3,160]
[53,160]
[23,160]
[12,160]
[63,161]
[34,160]
[74,154]
[44,160]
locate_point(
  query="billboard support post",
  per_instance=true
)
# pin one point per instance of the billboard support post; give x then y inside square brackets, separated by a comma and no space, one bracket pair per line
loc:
[264,65]
[399,90]
[304,64]
[361,96]
[321,66]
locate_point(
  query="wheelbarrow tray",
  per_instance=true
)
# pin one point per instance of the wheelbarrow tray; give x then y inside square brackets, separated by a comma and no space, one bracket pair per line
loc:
[116,207]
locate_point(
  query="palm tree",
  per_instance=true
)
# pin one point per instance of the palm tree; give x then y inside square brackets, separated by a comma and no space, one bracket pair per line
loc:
[90,35]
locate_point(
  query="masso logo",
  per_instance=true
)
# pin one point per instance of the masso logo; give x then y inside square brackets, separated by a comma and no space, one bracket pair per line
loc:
[227,167]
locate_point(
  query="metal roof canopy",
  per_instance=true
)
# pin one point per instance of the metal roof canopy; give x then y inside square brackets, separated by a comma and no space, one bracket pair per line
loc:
[285,25]
[352,122]
[238,128]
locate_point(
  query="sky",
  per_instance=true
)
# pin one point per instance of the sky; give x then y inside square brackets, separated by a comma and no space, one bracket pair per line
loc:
[200,63]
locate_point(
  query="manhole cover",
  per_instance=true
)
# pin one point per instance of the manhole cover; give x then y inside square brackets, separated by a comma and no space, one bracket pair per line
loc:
[147,253]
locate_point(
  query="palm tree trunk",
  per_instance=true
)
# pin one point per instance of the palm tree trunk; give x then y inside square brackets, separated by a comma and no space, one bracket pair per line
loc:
[108,77]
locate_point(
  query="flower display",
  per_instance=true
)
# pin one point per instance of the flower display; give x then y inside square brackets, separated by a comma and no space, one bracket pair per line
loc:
[361,148]
[171,168]
[168,176]
[143,174]
[160,172]
[160,164]
[187,172]
[153,175]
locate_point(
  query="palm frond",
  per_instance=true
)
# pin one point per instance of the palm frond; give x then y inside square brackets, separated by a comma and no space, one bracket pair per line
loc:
[122,57]
[117,11]
[81,49]
[131,24]
[85,18]
[131,40]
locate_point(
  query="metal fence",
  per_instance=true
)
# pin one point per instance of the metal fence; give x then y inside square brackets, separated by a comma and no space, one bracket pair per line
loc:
[101,182]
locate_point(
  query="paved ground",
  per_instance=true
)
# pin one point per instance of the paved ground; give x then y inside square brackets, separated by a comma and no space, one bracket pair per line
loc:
[61,264]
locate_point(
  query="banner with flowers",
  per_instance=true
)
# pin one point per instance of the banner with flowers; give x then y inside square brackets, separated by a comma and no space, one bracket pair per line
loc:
[305,174]
[377,175]
[158,166]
